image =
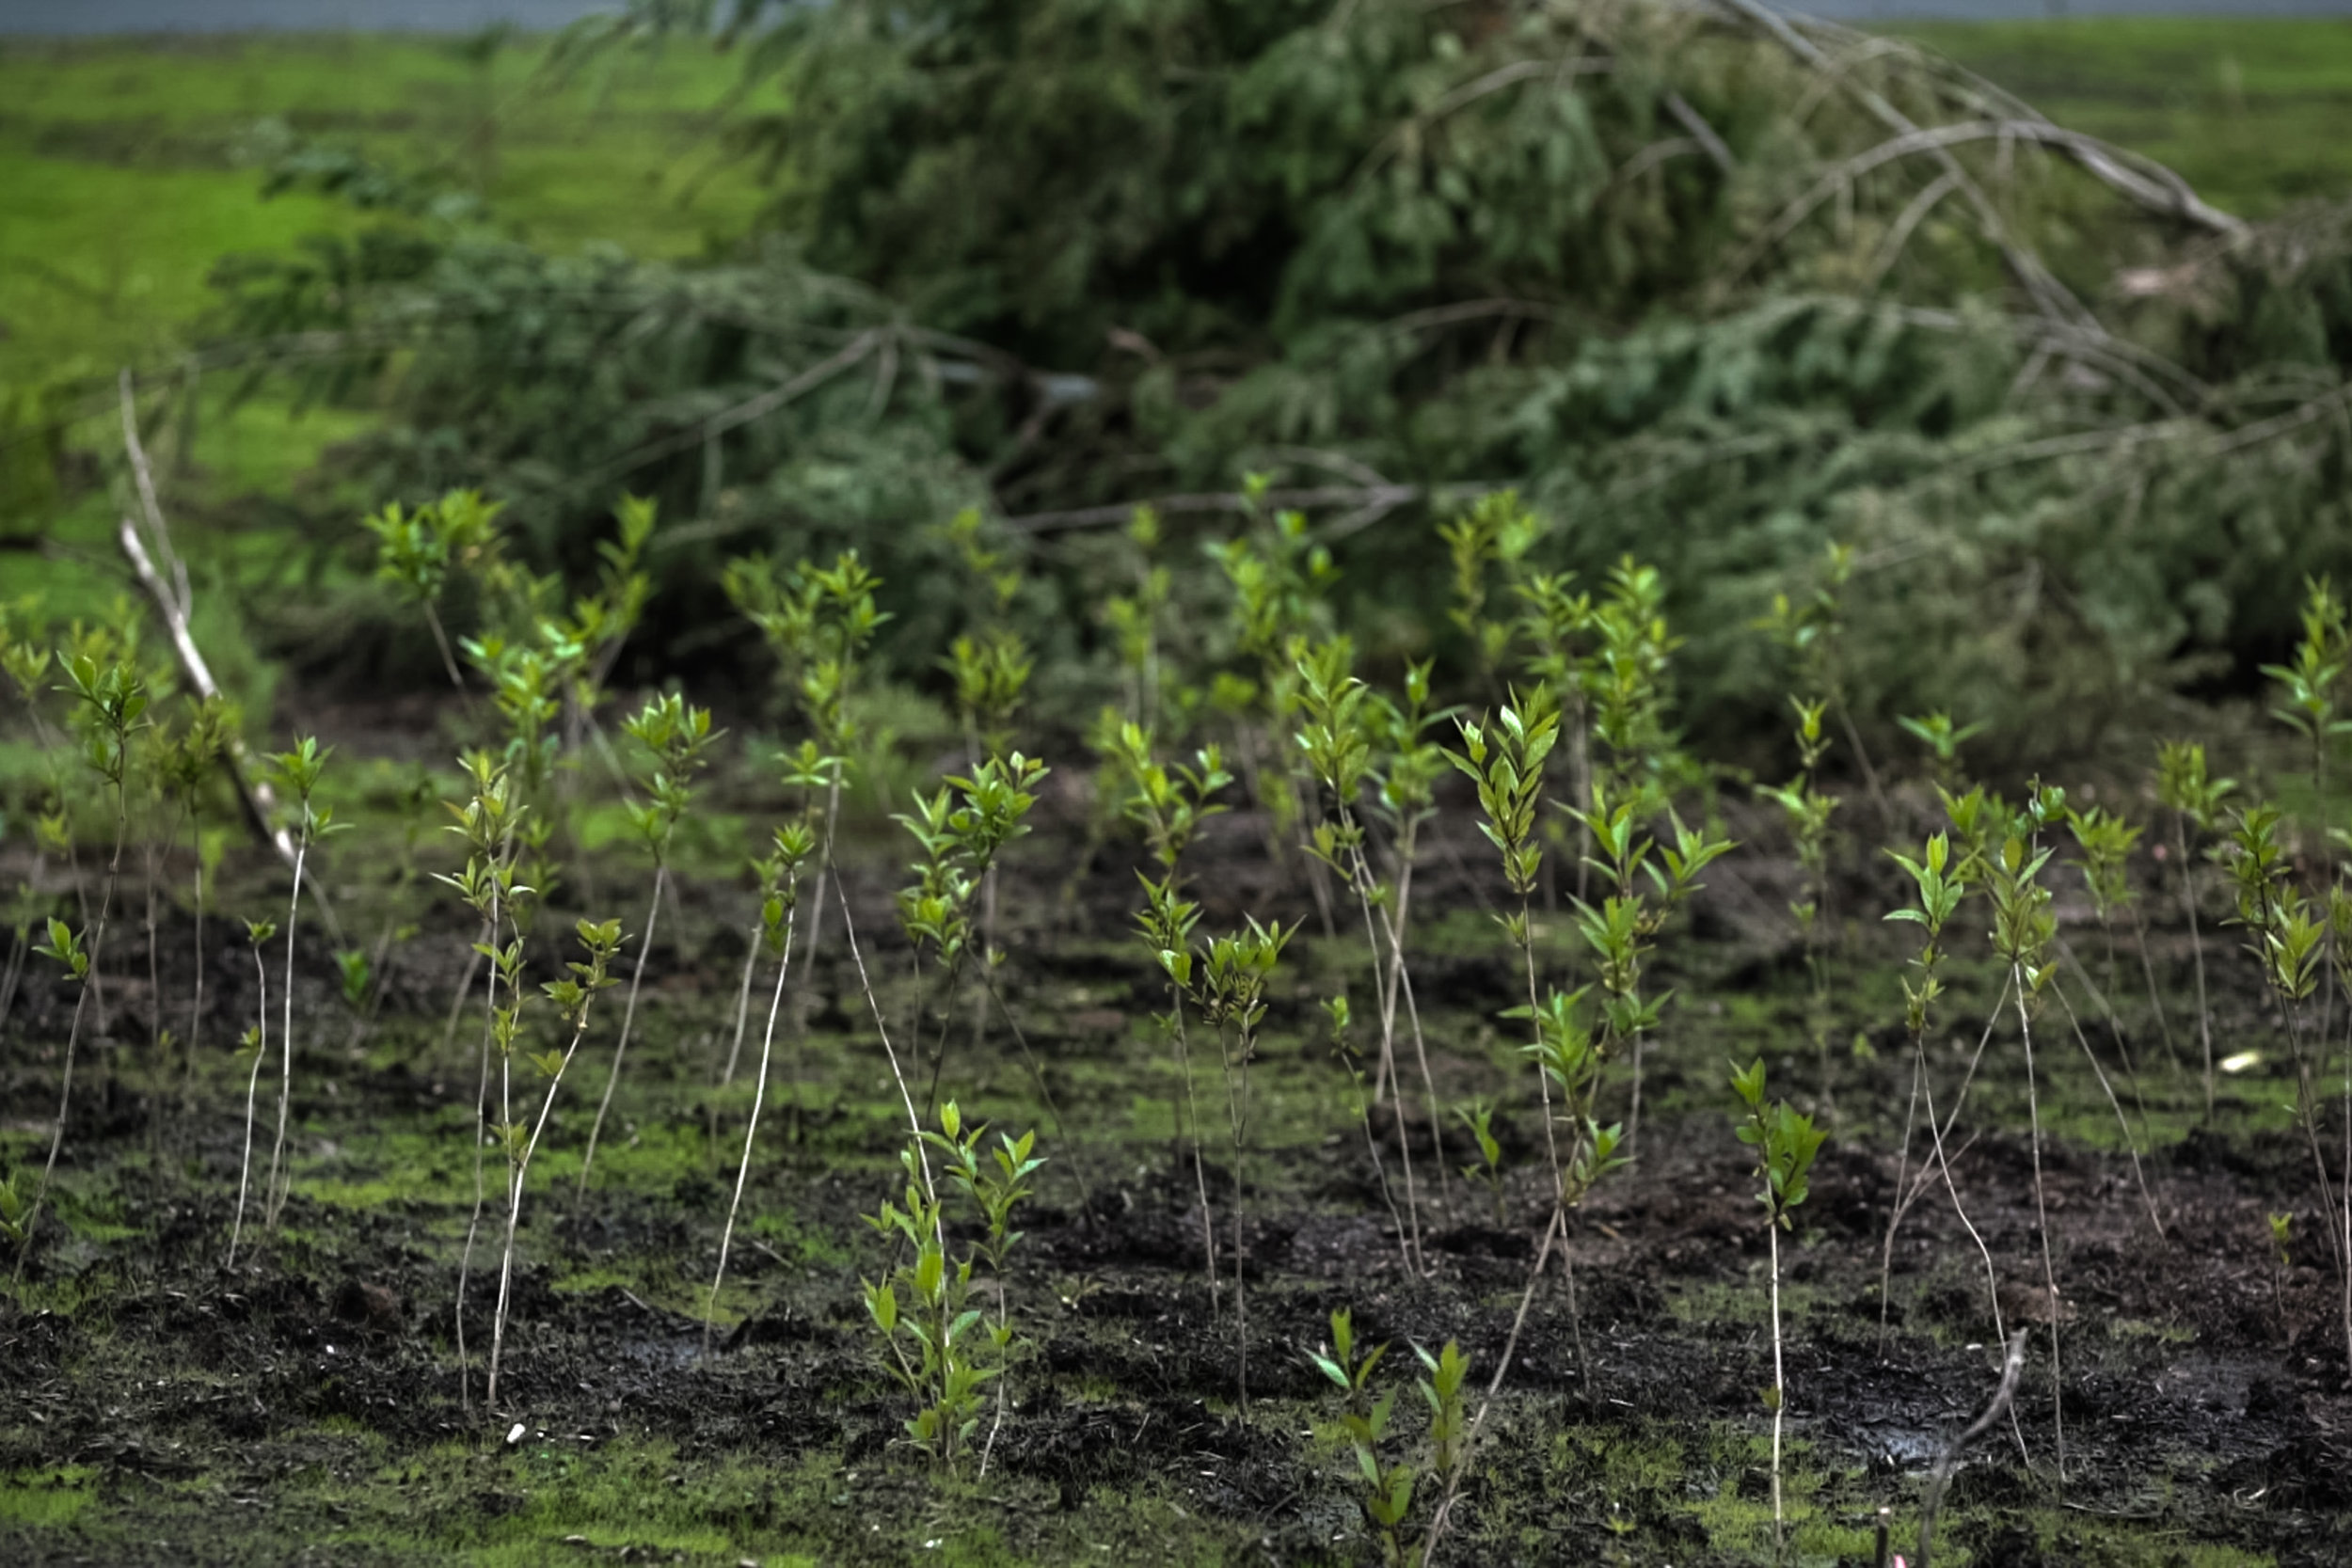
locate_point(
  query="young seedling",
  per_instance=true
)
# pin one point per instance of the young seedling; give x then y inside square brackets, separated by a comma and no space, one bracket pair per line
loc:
[1281,581]
[2106,841]
[922,1311]
[415,553]
[1505,758]
[780,906]
[1571,1060]
[71,954]
[1388,1485]
[2281,1259]
[1940,885]
[1495,533]
[491,824]
[111,699]
[674,735]
[1810,630]
[2022,930]
[1165,927]
[818,623]
[1134,619]
[1651,881]
[1366,1418]
[1478,1116]
[1227,980]
[2195,801]
[960,828]
[1808,811]
[572,996]
[2309,706]
[255,1045]
[1784,1145]
[1336,741]
[297,773]
[1943,738]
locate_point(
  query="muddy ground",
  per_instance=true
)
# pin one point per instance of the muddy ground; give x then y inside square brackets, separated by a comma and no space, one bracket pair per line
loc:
[308,1404]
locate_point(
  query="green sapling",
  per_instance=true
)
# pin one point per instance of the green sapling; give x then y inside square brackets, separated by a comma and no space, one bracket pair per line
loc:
[2195,799]
[297,773]
[1785,1144]
[572,996]
[254,1045]
[674,735]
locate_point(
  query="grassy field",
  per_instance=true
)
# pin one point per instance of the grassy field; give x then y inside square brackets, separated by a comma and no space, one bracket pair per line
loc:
[122,174]
[2252,112]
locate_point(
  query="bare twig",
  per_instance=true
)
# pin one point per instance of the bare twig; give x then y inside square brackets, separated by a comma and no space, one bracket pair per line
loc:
[2011,1364]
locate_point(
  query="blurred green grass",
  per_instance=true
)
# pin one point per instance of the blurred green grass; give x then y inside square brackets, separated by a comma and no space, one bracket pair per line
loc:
[125,180]
[121,175]
[2255,112]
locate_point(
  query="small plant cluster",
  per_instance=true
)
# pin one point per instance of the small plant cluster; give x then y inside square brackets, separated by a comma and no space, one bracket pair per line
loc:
[1388,1477]
[1602,828]
[939,1346]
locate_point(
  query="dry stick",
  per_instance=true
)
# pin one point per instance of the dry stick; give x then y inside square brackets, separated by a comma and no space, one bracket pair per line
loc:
[252,1091]
[759,1095]
[629,1017]
[2041,1222]
[2011,1364]
[1555,1226]
[515,1199]
[2130,1148]
[254,796]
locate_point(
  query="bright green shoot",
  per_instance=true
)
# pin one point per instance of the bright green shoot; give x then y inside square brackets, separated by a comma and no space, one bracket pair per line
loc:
[936,1344]
[674,735]
[1785,1143]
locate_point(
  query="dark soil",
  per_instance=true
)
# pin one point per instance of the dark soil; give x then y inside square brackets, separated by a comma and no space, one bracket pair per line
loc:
[309,1405]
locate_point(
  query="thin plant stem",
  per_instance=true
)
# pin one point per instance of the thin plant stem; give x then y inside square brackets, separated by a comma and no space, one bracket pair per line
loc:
[521,1173]
[2129,1146]
[253,1091]
[83,999]
[1494,1387]
[742,1006]
[751,1130]
[2041,1222]
[1780,1389]
[629,1017]
[1037,1075]
[1902,1186]
[914,1121]
[480,1126]
[274,1197]
[1200,1172]
[2197,950]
